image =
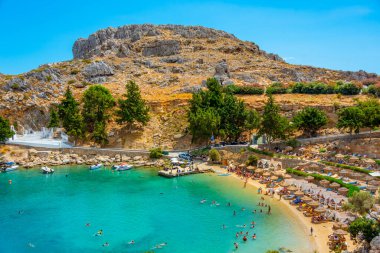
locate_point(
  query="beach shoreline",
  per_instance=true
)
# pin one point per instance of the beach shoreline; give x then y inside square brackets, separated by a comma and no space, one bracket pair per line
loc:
[319,240]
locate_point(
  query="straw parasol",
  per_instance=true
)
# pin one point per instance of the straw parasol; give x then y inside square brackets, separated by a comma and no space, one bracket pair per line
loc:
[339,156]
[266,174]
[259,171]
[313,204]
[299,193]
[292,188]
[306,199]
[320,210]
[353,158]
[372,188]
[278,173]
[344,172]
[334,185]
[328,169]
[273,178]
[287,176]
[324,182]
[250,168]
[369,161]
[343,191]
[242,165]
[340,232]
[309,178]
[374,182]
[357,175]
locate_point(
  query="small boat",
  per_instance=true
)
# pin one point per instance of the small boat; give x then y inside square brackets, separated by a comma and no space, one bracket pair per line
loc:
[95,167]
[47,170]
[10,168]
[122,167]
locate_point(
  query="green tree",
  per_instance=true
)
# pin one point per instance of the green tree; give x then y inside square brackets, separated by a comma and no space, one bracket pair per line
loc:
[204,123]
[54,119]
[214,155]
[360,202]
[155,153]
[97,101]
[273,125]
[133,108]
[367,227]
[310,120]
[350,118]
[69,114]
[252,160]
[371,111]
[99,135]
[5,130]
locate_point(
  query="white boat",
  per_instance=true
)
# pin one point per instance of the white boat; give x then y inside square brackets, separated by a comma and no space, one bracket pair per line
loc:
[10,168]
[47,170]
[122,167]
[95,167]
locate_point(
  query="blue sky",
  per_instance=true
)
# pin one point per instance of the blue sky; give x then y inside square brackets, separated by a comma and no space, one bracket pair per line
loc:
[334,34]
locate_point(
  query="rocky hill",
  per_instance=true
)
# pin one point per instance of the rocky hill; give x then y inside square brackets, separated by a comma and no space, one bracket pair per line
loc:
[168,62]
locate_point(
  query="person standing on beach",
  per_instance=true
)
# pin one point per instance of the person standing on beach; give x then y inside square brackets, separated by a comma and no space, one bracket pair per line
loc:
[269,209]
[311,231]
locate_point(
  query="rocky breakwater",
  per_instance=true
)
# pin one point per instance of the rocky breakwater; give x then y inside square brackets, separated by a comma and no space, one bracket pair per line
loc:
[52,158]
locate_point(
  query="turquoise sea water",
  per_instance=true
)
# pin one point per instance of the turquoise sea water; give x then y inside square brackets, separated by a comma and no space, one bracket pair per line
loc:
[136,205]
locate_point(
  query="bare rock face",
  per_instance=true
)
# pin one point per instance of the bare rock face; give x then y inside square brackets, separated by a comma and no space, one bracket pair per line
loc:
[17,84]
[162,48]
[97,72]
[375,245]
[46,74]
[222,73]
[118,41]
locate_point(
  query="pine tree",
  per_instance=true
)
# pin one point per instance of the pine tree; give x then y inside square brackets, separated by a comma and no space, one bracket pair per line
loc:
[273,125]
[310,120]
[133,108]
[5,130]
[69,114]
[54,119]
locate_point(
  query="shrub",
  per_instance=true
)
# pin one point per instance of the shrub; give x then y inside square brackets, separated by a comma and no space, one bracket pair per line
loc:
[374,89]
[48,78]
[200,152]
[244,90]
[347,88]
[312,88]
[261,152]
[367,227]
[214,155]
[293,143]
[71,81]
[377,162]
[277,88]
[155,153]
[252,160]
[74,72]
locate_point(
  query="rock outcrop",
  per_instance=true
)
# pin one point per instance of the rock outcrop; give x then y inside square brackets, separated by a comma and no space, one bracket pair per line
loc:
[97,72]
[162,48]
[375,245]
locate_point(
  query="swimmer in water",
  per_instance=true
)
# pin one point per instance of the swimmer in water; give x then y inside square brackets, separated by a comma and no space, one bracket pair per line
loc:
[106,244]
[132,242]
[236,245]
[254,236]
[99,233]
[88,224]
[203,201]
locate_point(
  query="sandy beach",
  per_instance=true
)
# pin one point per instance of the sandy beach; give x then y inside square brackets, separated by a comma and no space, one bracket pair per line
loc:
[320,231]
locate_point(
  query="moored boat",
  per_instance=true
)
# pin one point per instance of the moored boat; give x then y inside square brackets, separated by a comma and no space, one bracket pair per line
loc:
[122,167]
[8,166]
[96,166]
[47,170]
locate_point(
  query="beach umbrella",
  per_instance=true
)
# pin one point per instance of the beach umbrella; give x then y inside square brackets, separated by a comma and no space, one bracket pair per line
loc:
[334,185]
[259,171]
[266,174]
[343,191]
[242,165]
[357,175]
[250,168]
[369,161]
[273,178]
[328,169]
[374,182]
[292,188]
[287,176]
[313,203]
[324,182]
[353,158]
[340,232]
[320,210]
[309,178]
[306,199]
[372,188]
[278,173]
[339,156]
[344,172]
[299,193]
